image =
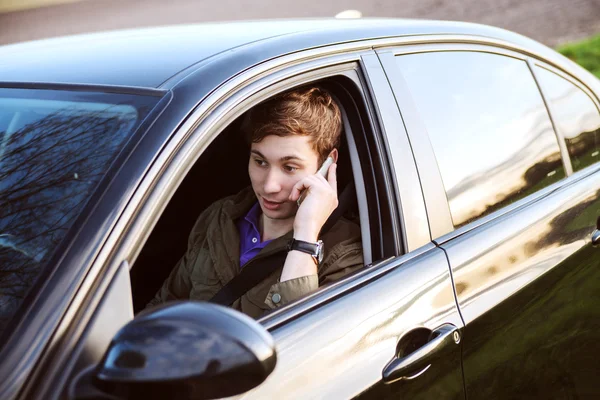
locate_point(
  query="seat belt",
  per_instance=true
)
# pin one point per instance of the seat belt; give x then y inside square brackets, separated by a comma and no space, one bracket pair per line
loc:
[257,271]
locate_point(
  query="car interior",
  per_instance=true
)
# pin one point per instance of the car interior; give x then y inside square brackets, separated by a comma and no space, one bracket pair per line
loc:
[221,171]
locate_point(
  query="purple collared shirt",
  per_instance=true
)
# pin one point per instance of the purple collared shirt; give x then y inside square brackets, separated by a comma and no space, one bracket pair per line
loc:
[250,243]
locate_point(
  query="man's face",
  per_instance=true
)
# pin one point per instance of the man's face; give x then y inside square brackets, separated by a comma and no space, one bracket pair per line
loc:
[276,165]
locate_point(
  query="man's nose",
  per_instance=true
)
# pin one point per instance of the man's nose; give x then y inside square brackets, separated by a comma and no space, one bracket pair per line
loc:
[272,184]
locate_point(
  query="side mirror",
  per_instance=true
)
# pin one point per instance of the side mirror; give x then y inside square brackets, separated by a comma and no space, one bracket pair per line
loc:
[183,350]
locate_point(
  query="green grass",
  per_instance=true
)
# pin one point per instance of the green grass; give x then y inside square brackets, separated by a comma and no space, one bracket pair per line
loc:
[585,53]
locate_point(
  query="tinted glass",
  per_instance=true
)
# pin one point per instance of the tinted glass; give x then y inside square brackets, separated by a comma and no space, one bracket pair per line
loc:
[54,149]
[489,128]
[576,117]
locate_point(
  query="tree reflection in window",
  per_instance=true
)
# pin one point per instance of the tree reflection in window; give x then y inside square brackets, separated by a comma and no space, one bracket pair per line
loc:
[52,155]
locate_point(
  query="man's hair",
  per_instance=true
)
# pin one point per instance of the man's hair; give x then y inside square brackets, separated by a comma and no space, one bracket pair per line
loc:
[306,111]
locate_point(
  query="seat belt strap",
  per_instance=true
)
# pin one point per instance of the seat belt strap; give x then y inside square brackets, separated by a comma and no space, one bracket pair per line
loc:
[258,270]
[251,275]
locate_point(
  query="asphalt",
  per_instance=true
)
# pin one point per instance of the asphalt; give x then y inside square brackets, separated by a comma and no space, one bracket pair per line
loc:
[550,21]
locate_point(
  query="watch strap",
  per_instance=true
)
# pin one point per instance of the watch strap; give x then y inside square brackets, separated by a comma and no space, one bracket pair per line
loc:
[314,249]
[311,248]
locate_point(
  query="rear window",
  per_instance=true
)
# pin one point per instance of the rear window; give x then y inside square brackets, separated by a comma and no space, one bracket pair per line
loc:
[55,147]
[489,128]
[576,117]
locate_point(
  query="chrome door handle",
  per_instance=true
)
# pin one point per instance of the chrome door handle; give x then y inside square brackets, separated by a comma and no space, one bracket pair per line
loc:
[416,363]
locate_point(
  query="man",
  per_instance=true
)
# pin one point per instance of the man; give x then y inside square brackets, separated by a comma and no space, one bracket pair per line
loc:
[290,136]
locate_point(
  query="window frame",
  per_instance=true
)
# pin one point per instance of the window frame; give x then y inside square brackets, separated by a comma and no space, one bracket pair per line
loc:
[581,86]
[225,104]
[441,225]
[346,65]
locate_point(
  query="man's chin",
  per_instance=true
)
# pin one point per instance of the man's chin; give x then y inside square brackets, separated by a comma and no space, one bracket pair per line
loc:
[283,213]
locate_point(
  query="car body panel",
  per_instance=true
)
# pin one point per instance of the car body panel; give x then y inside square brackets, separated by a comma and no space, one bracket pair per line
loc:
[527,286]
[341,349]
[438,214]
[410,195]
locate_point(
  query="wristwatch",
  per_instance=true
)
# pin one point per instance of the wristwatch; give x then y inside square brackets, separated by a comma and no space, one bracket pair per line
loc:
[315,249]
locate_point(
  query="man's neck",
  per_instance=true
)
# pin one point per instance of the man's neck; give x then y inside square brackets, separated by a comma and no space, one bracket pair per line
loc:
[274,228]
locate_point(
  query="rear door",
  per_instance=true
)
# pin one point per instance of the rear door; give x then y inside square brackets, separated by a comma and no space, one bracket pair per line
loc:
[516,208]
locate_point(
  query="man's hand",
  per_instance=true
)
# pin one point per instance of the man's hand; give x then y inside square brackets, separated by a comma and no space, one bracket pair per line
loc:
[320,201]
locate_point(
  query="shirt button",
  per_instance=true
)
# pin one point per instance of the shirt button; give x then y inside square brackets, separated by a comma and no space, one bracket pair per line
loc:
[254,240]
[276,298]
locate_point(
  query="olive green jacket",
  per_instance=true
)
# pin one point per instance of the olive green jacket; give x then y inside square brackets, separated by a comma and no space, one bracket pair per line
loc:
[213,259]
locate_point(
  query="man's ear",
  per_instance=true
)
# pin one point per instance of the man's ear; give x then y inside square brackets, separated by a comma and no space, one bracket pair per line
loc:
[334,154]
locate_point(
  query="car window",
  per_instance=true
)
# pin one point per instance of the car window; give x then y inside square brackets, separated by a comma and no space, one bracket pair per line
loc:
[488,125]
[54,148]
[576,117]
[223,167]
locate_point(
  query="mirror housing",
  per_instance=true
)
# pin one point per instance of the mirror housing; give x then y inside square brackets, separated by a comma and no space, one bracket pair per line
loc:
[184,350]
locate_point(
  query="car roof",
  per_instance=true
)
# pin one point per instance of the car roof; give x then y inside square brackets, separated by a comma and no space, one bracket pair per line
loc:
[148,57]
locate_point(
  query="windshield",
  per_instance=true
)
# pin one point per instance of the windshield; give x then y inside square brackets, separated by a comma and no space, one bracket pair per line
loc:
[55,146]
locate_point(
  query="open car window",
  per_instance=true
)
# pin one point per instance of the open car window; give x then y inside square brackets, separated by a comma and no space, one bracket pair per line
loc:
[221,171]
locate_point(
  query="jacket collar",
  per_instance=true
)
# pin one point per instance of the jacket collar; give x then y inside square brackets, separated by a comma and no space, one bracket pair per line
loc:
[224,238]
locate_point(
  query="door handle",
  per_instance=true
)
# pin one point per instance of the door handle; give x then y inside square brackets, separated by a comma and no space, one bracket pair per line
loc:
[416,363]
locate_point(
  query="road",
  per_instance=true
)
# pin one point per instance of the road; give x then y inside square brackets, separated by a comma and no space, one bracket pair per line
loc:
[549,21]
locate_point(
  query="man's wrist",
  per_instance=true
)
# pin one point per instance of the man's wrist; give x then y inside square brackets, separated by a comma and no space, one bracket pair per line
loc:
[306,236]
[298,264]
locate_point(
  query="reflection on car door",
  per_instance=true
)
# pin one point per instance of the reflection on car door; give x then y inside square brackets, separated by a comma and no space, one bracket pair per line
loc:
[525,271]
[341,349]
[528,289]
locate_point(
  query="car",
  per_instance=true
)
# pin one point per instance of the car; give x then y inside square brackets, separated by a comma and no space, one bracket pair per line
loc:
[471,157]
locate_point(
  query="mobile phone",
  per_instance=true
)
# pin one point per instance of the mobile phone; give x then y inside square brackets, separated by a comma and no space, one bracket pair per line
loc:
[323,171]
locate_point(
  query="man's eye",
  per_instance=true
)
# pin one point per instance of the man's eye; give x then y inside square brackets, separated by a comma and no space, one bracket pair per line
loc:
[289,168]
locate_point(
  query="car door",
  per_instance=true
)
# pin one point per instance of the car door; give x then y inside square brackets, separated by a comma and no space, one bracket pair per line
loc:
[517,214]
[392,330]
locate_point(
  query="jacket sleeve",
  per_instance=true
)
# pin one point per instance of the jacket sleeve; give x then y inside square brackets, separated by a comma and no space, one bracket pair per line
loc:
[282,293]
[179,284]
[343,259]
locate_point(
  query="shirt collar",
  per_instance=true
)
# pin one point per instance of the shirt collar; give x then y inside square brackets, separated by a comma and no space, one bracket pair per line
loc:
[253,215]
